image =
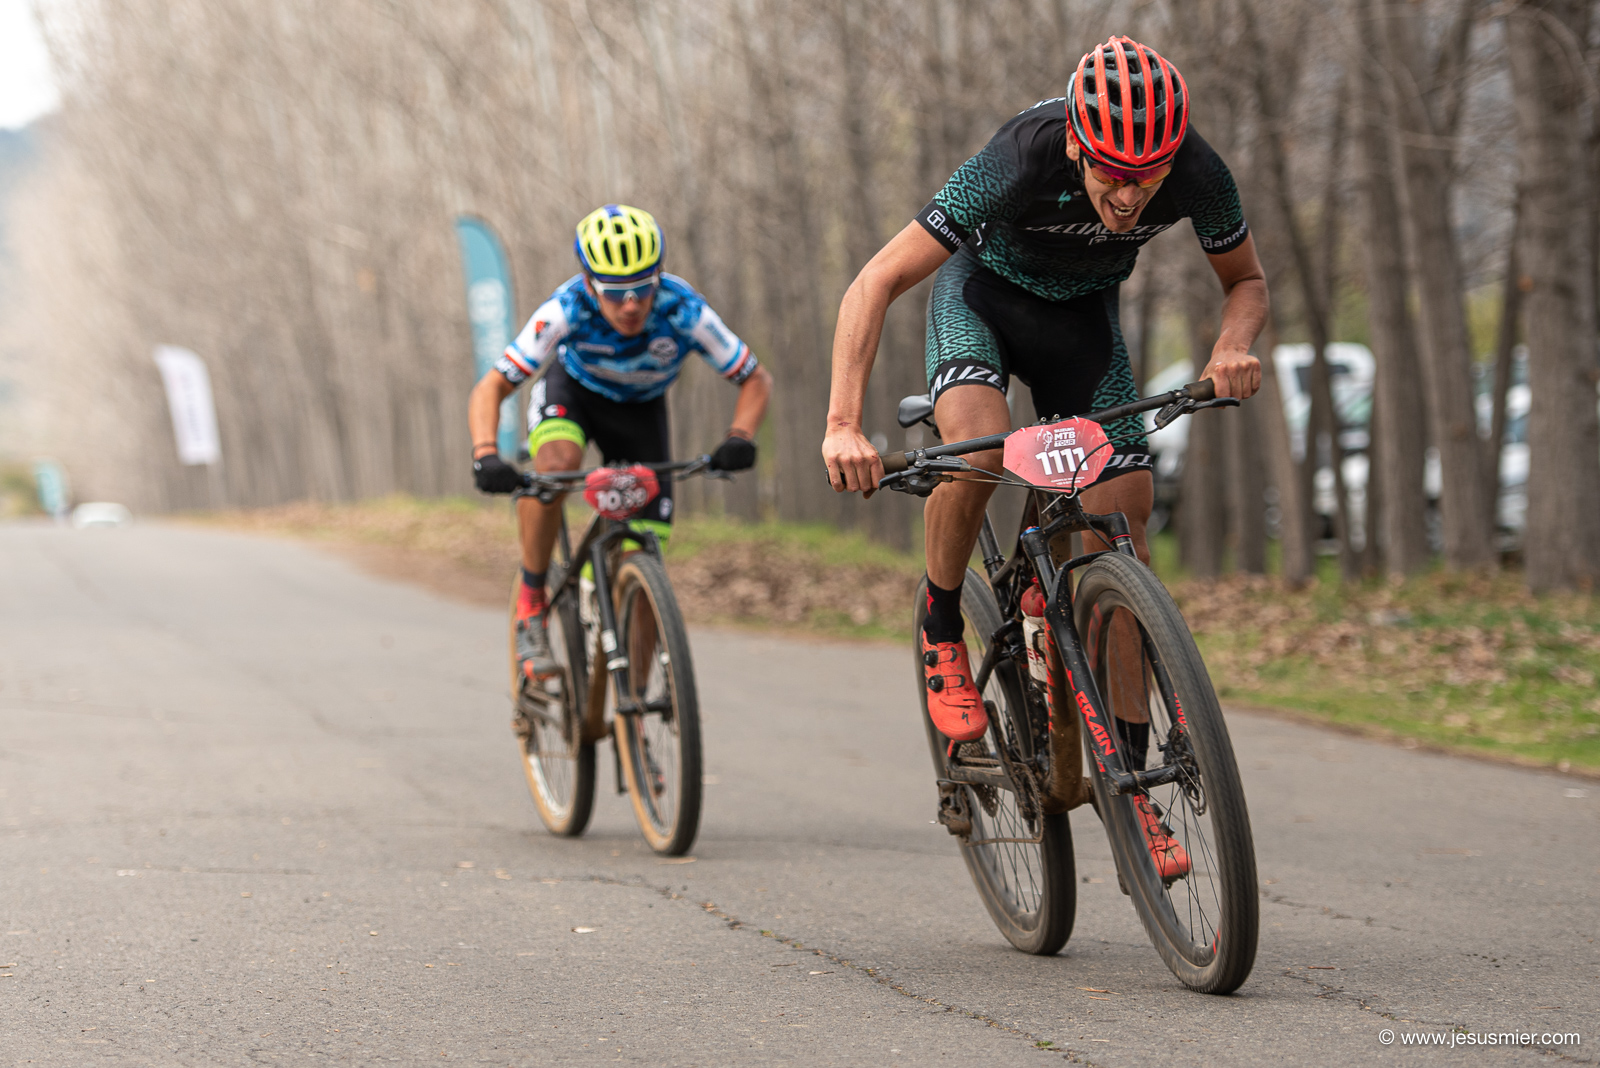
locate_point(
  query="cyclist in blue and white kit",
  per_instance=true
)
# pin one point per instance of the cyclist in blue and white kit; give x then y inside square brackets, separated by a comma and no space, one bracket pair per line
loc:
[607,343]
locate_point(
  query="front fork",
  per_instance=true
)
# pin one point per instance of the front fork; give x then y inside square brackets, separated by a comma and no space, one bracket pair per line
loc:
[1081,683]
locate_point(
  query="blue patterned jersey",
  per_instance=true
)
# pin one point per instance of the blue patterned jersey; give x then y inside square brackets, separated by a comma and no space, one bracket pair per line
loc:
[1020,206]
[630,370]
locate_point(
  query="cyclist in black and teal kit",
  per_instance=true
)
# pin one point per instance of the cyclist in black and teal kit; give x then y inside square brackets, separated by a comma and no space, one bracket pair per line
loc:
[1031,238]
[603,349]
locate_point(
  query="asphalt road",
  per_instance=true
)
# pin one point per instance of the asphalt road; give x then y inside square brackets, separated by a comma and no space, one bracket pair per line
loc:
[258,808]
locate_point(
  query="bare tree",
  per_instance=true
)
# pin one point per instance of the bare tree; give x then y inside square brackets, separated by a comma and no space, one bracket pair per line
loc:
[1546,40]
[1425,99]
[1399,417]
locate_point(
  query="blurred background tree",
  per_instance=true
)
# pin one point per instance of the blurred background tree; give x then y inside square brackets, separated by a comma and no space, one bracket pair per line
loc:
[273,185]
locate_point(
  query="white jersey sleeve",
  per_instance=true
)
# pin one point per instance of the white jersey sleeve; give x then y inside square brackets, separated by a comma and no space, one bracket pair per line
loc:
[721,347]
[536,346]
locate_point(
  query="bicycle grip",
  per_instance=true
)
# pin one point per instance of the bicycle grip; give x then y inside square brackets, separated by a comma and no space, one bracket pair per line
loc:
[895,461]
[1203,390]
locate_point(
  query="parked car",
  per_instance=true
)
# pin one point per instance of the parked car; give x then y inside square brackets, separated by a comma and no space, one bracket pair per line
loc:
[1351,369]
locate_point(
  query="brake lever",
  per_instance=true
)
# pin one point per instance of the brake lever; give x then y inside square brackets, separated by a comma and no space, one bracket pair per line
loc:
[1185,406]
[1172,411]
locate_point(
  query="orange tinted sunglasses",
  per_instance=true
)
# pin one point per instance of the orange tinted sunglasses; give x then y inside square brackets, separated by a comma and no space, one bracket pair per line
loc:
[1115,179]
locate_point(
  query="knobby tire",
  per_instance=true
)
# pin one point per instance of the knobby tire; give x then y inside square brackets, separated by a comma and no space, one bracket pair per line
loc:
[1204,924]
[661,756]
[1030,890]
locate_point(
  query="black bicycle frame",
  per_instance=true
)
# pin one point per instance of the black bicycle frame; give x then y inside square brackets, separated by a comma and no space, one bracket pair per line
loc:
[595,545]
[1034,546]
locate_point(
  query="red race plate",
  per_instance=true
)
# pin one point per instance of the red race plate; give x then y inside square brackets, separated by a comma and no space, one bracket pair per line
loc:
[620,492]
[1065,455]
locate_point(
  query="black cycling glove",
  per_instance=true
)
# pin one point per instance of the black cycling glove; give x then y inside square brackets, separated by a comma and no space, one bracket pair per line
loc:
[494,475]
[734,454]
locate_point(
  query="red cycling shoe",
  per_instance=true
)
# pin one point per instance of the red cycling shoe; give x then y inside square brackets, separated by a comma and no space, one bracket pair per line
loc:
[533,644]
[954,703]
[1171,861]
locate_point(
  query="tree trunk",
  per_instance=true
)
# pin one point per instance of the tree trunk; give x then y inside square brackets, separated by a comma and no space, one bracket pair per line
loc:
[1399,416]
[1423,142]
[1561,545]
[887,516]
[1322,429]
[1202,516]
[1246,490]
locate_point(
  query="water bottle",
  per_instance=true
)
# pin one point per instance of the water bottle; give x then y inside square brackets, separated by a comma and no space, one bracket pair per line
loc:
[1034,634]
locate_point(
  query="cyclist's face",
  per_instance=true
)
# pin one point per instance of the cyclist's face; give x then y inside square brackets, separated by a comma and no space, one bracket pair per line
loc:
[627,317]
[1119,206]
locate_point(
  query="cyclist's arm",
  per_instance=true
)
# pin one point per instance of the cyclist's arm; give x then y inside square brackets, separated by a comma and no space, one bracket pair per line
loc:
[526,356]
[909,257]
[751,407]
[483,411]
[732,359]
[1244,312]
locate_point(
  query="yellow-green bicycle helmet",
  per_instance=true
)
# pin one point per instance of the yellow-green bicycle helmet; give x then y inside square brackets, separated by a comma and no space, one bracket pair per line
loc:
[617,243]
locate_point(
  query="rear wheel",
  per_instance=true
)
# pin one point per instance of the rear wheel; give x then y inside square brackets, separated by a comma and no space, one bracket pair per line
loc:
[1020,859]
[1203,921]
[548,717]
[658,714]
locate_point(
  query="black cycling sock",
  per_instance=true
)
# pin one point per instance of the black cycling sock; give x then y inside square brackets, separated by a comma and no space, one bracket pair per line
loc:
[944,622]
[1135,743]
[534,580]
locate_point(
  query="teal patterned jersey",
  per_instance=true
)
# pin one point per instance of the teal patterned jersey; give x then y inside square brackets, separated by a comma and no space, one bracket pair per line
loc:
[1020,206]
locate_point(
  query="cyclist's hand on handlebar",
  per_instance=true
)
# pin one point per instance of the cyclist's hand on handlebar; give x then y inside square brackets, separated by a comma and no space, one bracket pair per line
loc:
[853,464]
[1235,373]
[494,475]
[734,454]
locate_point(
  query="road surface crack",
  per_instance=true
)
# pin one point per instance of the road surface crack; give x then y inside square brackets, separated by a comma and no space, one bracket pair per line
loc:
[734,923]
[1368,921]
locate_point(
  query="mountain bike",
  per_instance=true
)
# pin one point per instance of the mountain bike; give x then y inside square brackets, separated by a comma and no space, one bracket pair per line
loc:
[1097,639]
[619,639]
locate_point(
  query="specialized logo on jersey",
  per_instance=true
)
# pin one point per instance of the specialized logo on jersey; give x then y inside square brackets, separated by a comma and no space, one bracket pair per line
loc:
[664,348]
[1096,232]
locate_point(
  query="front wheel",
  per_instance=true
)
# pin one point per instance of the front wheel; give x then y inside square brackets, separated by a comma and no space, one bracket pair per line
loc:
[1183,850]
[657,711]
[1019,856]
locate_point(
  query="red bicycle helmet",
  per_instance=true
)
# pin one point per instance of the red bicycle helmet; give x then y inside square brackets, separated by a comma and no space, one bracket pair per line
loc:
[1128,107]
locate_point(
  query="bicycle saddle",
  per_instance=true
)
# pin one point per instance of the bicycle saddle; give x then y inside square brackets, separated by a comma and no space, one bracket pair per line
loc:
[915,409]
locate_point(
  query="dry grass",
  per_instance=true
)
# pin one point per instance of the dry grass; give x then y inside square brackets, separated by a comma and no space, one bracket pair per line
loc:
[1466,663]
[1469,662]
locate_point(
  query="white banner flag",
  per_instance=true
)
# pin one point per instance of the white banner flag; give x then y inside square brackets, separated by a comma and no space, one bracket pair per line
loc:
[194,417]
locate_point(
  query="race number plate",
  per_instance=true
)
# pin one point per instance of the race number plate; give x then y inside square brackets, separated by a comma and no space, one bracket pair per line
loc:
[1065,455]
[620,492]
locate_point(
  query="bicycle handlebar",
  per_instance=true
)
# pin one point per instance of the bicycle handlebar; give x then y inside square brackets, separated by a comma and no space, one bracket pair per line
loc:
[564,480]
[1199,393]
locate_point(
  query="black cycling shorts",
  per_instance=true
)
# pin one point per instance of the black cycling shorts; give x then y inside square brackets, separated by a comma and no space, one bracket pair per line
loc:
[982,329]
[560,409]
